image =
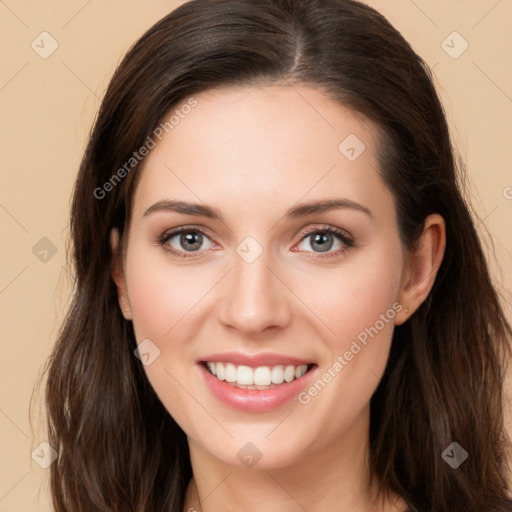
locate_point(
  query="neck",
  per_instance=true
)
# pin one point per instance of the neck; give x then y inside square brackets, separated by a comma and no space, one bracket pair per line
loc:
[334,476]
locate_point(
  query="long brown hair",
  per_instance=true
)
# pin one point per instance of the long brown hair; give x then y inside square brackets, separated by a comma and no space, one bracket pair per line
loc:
[119,448]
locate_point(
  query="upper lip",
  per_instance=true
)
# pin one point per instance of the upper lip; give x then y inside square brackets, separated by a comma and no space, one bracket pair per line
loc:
[254,360]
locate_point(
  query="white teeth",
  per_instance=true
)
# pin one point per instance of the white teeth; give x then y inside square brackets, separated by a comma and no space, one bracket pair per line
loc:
[298,372]
[277,375]
[221,371]
[262,376]
[256,378]
[230,373]
[245,375]
[289,373]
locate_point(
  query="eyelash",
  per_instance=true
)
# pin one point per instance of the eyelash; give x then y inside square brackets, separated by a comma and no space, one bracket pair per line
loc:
[338,233]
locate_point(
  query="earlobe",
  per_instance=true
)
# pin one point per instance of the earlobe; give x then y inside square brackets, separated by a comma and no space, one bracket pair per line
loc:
[118,276]
[423,264]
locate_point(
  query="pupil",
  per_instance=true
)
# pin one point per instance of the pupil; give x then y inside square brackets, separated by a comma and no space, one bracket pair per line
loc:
[323,239]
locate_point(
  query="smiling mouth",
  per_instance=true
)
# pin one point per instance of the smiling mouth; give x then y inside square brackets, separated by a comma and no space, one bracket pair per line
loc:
[260,378]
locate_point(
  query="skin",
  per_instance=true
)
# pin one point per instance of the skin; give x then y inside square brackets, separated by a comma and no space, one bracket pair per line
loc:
[253,153]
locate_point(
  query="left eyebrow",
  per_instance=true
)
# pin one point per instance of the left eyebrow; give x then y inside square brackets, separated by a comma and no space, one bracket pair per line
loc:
[313,207]
[302,210]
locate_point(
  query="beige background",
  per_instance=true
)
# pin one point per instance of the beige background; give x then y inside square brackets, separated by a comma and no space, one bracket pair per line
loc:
[47,107]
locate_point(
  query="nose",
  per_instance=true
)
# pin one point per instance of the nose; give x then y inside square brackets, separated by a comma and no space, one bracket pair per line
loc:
[254,298]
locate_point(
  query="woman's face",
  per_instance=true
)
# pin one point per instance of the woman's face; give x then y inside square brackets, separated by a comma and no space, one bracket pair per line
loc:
[256,284]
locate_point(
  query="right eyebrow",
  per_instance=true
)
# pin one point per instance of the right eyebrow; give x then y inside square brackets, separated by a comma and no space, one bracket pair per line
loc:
[197,209]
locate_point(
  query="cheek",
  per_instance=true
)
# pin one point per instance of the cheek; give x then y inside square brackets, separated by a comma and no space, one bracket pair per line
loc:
[162,299]
[357,302]
[162,295]
[353,296]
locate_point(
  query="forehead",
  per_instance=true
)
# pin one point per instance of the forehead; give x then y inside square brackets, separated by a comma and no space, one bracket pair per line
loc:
[243,146]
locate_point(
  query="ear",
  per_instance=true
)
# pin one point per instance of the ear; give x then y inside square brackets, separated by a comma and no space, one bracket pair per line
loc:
[421,268]
[118,274]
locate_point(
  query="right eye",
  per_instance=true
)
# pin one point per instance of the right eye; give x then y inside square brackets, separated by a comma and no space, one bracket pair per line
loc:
[183,240]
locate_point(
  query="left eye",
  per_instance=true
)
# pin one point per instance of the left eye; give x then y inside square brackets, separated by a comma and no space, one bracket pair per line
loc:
[322,240]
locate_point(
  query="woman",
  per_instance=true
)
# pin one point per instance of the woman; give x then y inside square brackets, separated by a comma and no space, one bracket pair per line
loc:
[281,299]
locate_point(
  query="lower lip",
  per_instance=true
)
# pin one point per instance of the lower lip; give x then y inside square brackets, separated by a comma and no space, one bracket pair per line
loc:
[254,400]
